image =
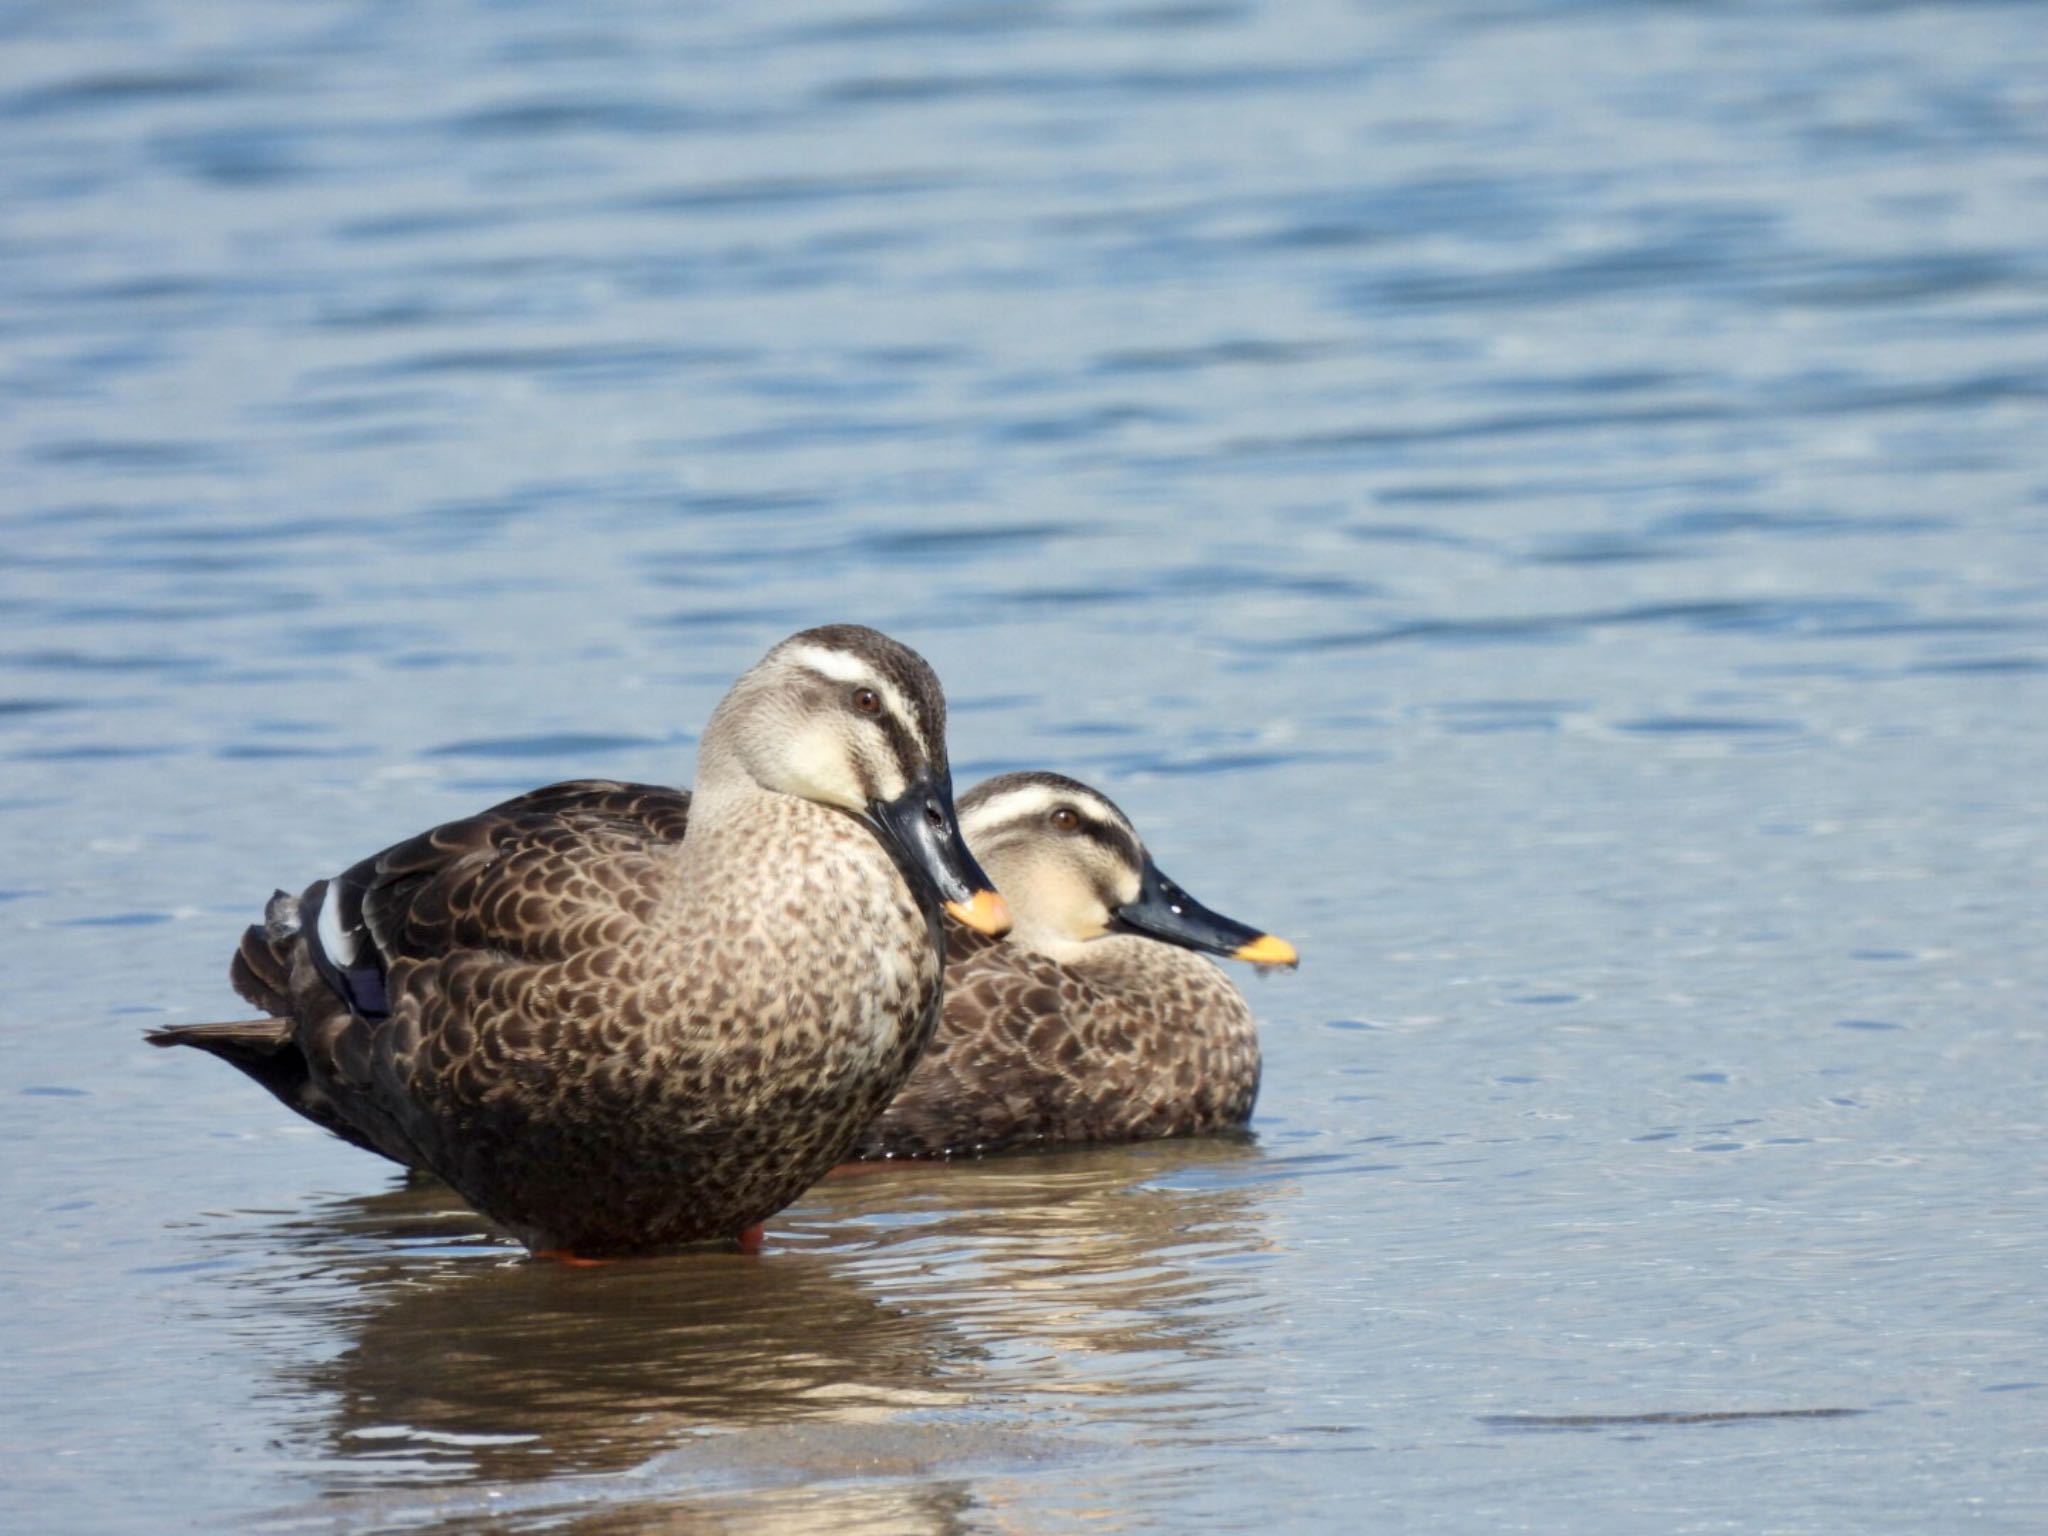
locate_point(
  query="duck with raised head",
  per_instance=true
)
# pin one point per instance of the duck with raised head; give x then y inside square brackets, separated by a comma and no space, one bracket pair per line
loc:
[1097,1019]
[619,1018]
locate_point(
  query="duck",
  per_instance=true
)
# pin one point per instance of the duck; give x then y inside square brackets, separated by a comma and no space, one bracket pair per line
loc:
[1097,1019]
[622,1019]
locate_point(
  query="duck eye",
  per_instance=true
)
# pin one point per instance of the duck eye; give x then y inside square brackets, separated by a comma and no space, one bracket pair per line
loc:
[1065,819]
[867,701]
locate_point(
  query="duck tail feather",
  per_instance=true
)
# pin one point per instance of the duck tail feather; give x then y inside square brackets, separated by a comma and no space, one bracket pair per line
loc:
[262,969]
[242,1040]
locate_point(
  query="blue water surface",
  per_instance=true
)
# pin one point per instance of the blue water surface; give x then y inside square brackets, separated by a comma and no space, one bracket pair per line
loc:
[1542,505]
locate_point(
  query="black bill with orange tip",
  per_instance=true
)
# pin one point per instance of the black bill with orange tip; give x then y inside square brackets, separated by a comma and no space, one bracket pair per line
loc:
[1166,912]
[921,830]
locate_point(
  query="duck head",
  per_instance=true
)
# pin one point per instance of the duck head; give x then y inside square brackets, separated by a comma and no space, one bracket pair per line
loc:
[1074,869]
[848,718]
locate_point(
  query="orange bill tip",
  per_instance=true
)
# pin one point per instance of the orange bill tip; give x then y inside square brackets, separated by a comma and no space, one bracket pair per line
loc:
[1267,950]
[984,912]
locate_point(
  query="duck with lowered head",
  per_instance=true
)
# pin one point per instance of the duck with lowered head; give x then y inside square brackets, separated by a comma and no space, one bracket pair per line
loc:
[618,1018]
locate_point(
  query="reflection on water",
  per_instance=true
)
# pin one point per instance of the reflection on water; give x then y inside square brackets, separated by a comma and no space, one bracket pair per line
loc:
[1106,1274]
[510,1368]
[887,1296]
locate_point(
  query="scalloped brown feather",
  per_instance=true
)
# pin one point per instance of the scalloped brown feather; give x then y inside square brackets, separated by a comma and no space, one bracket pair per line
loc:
[1139,1040]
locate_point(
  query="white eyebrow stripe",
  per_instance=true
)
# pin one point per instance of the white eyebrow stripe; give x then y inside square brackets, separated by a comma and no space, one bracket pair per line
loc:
[844,668]
[1031,802]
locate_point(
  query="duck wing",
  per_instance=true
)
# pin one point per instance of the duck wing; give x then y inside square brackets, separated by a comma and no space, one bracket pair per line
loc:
[524,879]
[1007,1068]
[529,879]
[964,943]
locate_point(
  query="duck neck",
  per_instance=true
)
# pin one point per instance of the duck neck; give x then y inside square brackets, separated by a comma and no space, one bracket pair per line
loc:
[1118,960]
[1051,943]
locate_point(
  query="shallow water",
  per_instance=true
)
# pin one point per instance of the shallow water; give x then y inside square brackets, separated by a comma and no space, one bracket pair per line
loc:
[1541,505]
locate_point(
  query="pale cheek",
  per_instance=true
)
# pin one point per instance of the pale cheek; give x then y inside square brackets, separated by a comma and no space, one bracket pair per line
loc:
[815,765]
[888,779]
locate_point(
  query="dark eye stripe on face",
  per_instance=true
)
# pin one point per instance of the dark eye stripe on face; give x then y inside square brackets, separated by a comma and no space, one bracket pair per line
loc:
[921,698]
[901,743]
[1113,838]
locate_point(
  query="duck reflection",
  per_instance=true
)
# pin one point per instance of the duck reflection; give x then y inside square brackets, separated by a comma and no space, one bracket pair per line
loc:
[1131,1252]
[938,1509]
[467,1357]
[914,1288]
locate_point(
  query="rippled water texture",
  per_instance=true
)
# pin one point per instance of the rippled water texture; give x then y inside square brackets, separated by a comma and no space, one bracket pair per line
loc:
[1542,505]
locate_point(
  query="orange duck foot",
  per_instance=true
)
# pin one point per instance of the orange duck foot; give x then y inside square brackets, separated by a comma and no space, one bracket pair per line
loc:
[571,1260]
[751,1238]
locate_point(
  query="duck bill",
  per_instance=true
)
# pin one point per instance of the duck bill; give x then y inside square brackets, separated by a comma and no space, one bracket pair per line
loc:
[920,829]
[1166,912]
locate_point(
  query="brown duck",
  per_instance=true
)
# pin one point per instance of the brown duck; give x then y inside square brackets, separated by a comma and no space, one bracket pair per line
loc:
[618,1018]
[1094,1021]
